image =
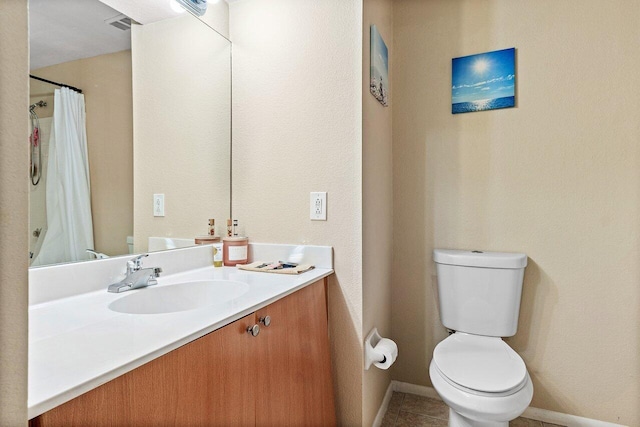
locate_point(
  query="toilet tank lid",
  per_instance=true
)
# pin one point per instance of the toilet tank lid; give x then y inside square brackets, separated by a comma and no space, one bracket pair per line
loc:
[480,258]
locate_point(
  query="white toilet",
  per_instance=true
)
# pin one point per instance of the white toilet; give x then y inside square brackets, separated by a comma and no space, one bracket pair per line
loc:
[482,380]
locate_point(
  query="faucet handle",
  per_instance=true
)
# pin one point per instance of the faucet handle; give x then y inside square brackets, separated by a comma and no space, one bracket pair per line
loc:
[157,271]
[135,263]
[139,258]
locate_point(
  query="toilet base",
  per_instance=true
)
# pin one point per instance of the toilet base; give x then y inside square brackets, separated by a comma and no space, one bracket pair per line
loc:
[457,420]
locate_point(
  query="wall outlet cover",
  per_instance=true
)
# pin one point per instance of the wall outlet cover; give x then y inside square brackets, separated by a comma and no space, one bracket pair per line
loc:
[318,206]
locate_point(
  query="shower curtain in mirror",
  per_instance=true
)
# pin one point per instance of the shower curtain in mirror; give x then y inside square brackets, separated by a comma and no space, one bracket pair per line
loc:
[68,198]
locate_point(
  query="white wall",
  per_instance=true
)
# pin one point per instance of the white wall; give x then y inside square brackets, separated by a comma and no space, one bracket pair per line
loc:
[556,178]
[182,110]
[377,203]
[14,211]
[297,128]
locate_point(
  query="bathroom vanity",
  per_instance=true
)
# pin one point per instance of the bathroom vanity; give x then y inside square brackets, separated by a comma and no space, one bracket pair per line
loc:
[259,358]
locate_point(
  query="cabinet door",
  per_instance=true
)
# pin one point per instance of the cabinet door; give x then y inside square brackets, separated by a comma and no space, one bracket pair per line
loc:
[204,383]
[294,386]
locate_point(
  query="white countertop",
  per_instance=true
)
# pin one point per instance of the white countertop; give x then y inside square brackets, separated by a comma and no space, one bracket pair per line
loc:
[77,343]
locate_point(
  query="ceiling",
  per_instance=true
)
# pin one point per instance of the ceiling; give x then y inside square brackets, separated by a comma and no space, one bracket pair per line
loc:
[144,11]
[66,30]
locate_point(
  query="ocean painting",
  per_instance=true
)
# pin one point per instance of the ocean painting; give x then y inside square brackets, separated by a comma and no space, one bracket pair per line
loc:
[485,81]
[379,85]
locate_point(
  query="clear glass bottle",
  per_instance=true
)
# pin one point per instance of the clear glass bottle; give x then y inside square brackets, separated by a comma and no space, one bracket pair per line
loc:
[217,254]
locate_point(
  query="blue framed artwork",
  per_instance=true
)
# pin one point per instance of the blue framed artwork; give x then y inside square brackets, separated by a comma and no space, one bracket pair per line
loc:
[379,84]
[485,81]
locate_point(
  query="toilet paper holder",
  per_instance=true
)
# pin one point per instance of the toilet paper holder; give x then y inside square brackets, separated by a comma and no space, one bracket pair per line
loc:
[371,356]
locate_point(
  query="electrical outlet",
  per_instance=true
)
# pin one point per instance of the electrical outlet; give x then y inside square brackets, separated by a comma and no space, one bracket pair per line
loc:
[318,206]
[158,205]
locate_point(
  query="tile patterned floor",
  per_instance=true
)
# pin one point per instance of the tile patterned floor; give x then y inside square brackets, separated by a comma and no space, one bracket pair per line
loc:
[409,410]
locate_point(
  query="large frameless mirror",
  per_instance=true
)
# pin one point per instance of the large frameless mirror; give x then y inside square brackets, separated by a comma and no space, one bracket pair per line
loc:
[151,125]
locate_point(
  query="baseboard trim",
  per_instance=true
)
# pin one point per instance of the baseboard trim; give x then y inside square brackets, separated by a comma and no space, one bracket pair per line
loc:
[565,419]
[377,422]
[533,413]
[420,390]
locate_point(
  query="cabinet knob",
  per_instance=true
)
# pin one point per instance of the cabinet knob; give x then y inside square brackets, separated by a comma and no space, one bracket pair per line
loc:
[253,330]
[266,320]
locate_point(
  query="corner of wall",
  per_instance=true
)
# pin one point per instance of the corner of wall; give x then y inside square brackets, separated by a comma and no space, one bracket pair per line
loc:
[377,203]
[14,211]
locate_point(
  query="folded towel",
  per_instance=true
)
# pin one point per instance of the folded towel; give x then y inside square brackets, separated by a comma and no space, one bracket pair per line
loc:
[266,268]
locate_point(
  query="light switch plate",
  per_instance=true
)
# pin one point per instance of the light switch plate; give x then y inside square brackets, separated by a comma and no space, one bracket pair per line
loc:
[158,205]
[318,206]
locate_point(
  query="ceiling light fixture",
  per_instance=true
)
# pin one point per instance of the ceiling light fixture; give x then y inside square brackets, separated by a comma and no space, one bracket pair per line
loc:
[197,7]
[175,6]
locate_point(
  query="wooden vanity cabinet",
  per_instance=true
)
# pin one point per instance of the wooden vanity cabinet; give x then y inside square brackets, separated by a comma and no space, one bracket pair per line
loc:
[281,377]
[294,386]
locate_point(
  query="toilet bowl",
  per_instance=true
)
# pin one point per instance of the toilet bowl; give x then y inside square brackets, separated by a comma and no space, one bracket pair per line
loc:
[482,380]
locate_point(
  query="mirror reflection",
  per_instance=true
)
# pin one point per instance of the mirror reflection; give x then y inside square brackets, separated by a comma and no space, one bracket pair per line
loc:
[157,122]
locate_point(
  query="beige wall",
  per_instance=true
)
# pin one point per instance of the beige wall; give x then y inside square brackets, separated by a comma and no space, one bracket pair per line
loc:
[105,81]
[14,211]
[377,205]
[557,178]
[182,109]
[297,106]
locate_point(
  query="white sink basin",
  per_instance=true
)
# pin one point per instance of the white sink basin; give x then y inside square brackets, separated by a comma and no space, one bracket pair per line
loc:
[179,297]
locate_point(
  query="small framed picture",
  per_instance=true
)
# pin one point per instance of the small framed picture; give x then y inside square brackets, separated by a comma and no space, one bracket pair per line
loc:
[379,85]
[485,81]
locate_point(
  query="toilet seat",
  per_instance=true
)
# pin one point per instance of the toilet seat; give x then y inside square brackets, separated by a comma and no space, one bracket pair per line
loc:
[480,365]
[483,407]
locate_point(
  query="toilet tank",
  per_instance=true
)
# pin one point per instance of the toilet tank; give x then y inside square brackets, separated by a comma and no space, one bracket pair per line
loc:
[479,292]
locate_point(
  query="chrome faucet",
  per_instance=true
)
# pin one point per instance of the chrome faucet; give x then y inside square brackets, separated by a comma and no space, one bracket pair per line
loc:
[137,277]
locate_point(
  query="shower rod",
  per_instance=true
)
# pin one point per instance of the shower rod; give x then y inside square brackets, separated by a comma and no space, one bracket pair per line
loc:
[55,83]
